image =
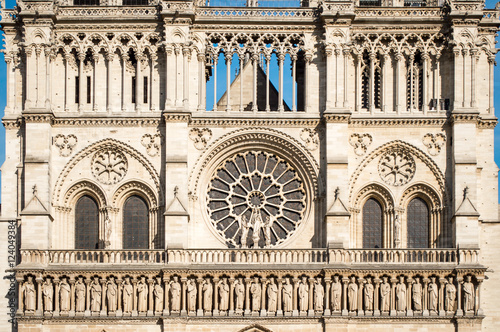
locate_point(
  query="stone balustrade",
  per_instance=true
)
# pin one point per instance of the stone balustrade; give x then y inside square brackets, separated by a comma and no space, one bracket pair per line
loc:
[251,256]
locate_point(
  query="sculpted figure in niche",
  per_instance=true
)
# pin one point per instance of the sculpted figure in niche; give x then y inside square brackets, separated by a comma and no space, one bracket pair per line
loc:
[239,290]
[111,294]
[95,295]
[256,218]
[397,232]
[267,231]
[175,294]
[368,294]
[319,295]
[29,295]
[223,294]
[128,292]
[48,295]
[64,295]
[142,295]
[287,296]
[433,295]
[272,295]
[468,294]
[256,292]
[352,294]
[207,294]
[158,295]
[336,293]
[80,295]
[417,295]
[401,294]
[385,295]
[245,227]
[303,294]
[191,295]
[450,295]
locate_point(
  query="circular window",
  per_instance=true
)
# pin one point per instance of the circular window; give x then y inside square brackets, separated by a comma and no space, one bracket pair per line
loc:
[256,199]
[109,166]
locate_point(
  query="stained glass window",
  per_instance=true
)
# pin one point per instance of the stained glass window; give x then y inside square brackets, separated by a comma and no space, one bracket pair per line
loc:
[86,224]
[135,224]
[418,224]
[372,224]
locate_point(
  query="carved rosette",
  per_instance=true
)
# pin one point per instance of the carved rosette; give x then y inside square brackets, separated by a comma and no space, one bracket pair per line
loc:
[152,143]
[109,166]
[360,143]
[396,167]
[434,143]
[255,198]
[65,144]
[310,137]
[200,137]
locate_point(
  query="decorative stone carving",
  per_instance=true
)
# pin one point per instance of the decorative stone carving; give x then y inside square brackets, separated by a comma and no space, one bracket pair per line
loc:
[310,137]
[256,291]
[432,291]
[385,295]
[287,296]
[434,143]
[95,295]
[191,295]
[417,295]
[401,295]
[336,294]
[468,288]
[158,294]
[368,294]
[142,295]
[360,143]
[303,293]
[396,167]
[352,294]
[319,295]
[223,295]
[65,144]
[111,294]
[250,187]
[109,166]
[29,295]
[272,295]
[207,290]
[239,290]
[397,232]
[80,295]
[200,137]
[175,294]
[152,143]
[128,292]
[48,295]
[64,295]
[450,295]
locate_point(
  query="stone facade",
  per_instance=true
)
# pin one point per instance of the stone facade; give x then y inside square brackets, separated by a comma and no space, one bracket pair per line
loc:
[342,181]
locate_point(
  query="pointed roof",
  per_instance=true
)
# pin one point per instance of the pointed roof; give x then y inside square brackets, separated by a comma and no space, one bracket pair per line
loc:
[175,207]
[338,208]
[466,208]
[35,206]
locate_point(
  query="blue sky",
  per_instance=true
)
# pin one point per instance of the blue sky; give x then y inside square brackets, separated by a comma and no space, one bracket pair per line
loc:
[11,3]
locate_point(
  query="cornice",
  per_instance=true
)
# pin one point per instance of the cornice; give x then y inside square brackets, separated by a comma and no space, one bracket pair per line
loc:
[464,118]
[397,122]
[241,27]
[487,123]
[119,122]
[176,117]
[253,122]
[12,123]
[38,118]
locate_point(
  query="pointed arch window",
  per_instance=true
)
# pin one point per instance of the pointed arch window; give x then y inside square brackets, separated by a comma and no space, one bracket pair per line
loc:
[372,224]
[414,82]
[418,224]
[86,223]
[135,223]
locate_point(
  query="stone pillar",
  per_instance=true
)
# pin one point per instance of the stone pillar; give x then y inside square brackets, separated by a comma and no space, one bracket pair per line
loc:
[263,296]
[109,80]
[186,52]
[399,59]
[215,298]
[72,296]
[81,91]
[346,52]
[409,307]
[425,82]
[460,282]
[491,84]
[28,50]
[168,73]
[201,80]
[255,63]
[310,312]
[376,297]
[358,82]
[361,282]
[330,87]
[279,311]
[345,310]
[231,296]
[150,311]
[473,58]
[371,92]
[87,303]
[200,297]
[103,297]
[295,309]
[308,59]
[20,297]
[479,310]
[56,296]
[465,99]
[166,299]
[442,283]
[281,58]
[138,82]
[328,282]
[425,310]
[393,309]
[119,296]
[183,304]
[247,296]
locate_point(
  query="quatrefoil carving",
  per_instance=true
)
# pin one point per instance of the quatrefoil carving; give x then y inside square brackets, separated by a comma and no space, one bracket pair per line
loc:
[152,143]
[310,137]
[434,143]
[200,137]
[65,144]
[360,142]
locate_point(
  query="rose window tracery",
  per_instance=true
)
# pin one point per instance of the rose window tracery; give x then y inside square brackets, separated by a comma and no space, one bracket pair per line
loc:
[396,168]
[256,199]
[109,166]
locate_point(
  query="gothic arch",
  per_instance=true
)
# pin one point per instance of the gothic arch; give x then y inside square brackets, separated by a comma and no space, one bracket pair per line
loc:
[134,187]
[84,187]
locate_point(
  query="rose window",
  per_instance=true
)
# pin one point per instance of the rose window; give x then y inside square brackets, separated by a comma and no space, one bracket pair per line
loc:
[396,168]
[109,166]
[256,199]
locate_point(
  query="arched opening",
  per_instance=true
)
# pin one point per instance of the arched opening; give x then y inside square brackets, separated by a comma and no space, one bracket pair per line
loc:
[372,224]
[417,224]
[86,223]
[135,224]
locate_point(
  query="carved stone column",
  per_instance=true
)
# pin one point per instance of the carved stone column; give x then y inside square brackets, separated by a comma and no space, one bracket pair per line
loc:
[81,90]
[409,307]
[491,84]
[166,299]
[183,304]
[150,311]
[393,311]
[263,296]
[361,283]
[345,310]
[200,297]
[56,296]
[138,82]
[109,79]
[231,296]
[295,311]
[20,300]
[247,296]
[119,296]
[124,75]
[465,99]
[460,281]
[371,92]
[376,297]
[473,59]
[442,283]
[346,51]
[479,310]
[72,296]
[201,80]
[255,63]
[215,297]
[399,59]
[103,296]
[279,311]
[328,282]
[87,303]
[134,297]
[425,84]
[310,312]
[186,53]
[425,310]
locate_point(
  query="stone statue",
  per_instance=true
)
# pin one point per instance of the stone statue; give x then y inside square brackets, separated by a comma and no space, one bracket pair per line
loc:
[80,295]
[287,296]
[432,291]
[417,295]
[191,295]
[142,295]
[267,231]
[397,232]
[336,293]
[95,295]
[244,231]
[111,294]
[256,220]
[385,295]
[239,290]
[158,295]
[303,294]
[175,294]
[272,295]
[450,295]
[256,292]
[208,290]
[108,231]
[468,294]
[29,295]
[352,294]
[319,295]
[48,295]
[368,295]
[223,294]
[401,294]
[64,295]
[128,293]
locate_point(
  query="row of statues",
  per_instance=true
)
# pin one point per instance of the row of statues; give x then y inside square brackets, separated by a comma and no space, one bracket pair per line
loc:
[255,296]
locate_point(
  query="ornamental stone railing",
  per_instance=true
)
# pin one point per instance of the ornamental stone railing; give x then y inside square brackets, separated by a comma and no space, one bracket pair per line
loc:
[252,256]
